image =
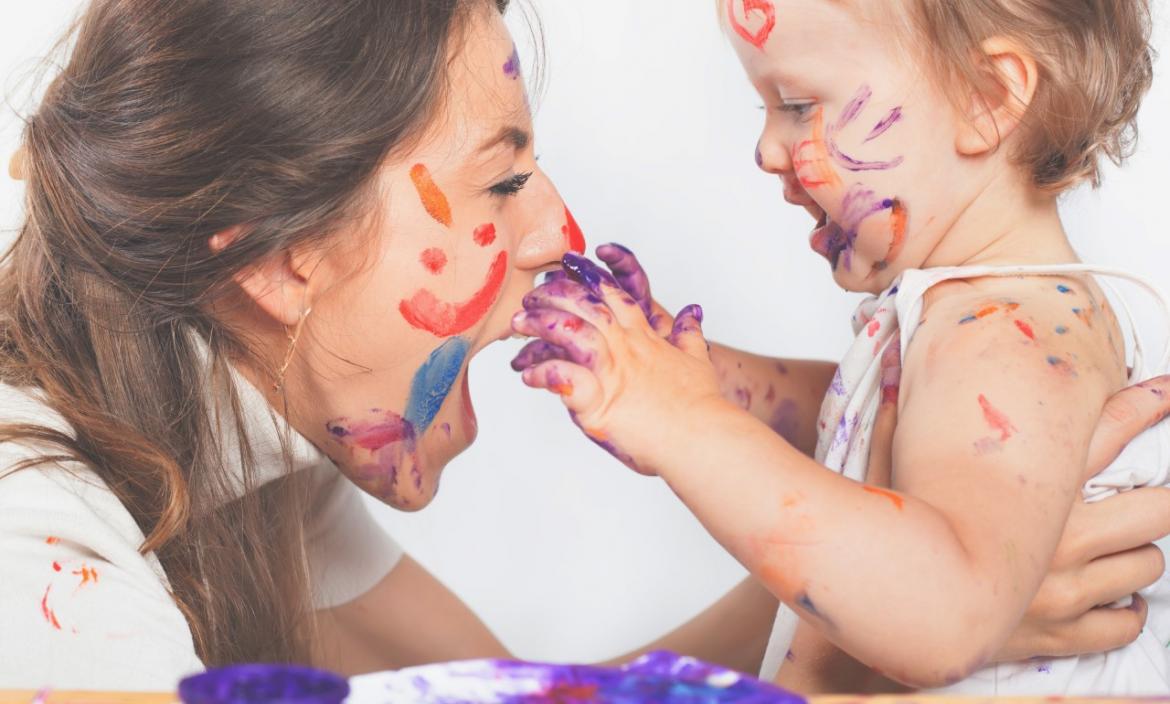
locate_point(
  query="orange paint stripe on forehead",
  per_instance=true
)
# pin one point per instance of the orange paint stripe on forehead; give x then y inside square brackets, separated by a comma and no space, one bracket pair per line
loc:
[431,196]
[815,170]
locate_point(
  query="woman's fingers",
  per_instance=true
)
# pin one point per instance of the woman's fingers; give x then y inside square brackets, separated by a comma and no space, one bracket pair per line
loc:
[1128,413]
[1119,523]
[604,286]
[574,384]
[629,274]
[1096,631]
[581,342]
[687,333]
[537,352]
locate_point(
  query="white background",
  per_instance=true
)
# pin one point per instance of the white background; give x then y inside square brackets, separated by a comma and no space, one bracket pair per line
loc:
[648,128]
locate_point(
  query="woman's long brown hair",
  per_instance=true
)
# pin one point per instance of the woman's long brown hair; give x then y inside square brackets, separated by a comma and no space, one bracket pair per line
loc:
[171,121]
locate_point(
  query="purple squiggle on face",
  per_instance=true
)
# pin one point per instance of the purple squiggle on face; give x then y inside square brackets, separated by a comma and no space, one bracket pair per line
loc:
[851,112]
[837,238]
[887,122]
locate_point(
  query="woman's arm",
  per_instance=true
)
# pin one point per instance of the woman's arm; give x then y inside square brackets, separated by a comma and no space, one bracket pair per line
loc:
[409,618]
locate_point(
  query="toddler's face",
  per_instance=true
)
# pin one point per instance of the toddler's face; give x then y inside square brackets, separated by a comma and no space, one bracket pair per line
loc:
[856,132]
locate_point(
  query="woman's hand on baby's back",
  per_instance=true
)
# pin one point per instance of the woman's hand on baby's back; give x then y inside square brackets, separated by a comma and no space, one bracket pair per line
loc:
[1106,552]
[622,382]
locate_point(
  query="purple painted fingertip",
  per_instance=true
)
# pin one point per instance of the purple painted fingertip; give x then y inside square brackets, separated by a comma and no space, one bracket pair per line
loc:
[588,273]
[694,311]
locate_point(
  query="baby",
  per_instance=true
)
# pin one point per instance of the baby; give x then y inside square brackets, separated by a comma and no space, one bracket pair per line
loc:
[929,140]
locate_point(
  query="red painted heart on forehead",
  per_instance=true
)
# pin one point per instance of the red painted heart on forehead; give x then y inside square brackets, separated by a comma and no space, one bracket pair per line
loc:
[759,37]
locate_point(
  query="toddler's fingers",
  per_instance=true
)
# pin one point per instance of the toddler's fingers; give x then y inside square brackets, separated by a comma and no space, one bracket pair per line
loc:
[604,286]
[537,352]
[1126,415]
[629,274]
[687,334]
[574,384]
[571,297]
[582,343]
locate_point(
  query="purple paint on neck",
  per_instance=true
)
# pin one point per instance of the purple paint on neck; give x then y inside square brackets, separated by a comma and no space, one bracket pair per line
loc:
[886,123]
[512,66]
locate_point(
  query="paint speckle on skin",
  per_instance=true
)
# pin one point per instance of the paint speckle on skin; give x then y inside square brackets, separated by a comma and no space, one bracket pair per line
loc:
[806,603]
[1061,366]
[1085,316]
[433,383]
[434,260]
[432,197]
[770,395]
[485,235]
[988,446]
[446,428]
[756,12]
[56,566]
[790,656]
[782,368]
[743,397]
[1026,329]
[425,311]
[1045,668]
[1061,330]
[997,420]
[899,222]
[892,497]
[1064,289]
[512,65]
[52,540]
[785,420]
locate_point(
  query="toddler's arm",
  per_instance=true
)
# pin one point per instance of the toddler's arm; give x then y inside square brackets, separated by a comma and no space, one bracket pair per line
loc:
[925,583]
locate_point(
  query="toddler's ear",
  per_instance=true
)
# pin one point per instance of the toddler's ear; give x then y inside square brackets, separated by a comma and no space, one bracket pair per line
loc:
[998,108]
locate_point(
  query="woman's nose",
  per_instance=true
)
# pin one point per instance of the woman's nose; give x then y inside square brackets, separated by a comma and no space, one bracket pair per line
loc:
[549,230]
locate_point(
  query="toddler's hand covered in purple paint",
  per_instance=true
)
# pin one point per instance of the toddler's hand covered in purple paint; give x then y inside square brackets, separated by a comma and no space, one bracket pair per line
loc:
[627,271]
[622,381]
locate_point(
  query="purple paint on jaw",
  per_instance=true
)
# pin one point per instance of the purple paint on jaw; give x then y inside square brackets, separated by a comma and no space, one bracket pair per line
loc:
[838,238]
[386,442]
[512,66]
[887,122]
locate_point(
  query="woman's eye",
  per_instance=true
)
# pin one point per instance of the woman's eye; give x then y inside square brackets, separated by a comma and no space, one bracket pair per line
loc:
[511,185]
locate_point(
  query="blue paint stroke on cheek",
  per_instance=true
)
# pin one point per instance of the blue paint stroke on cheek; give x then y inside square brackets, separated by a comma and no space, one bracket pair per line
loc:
[434,381]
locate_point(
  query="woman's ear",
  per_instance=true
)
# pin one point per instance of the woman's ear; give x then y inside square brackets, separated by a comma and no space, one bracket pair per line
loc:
[996,112]
[16,165]
[281,285]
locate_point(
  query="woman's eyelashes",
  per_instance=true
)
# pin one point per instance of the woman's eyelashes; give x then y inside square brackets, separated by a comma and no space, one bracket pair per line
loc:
[511,185]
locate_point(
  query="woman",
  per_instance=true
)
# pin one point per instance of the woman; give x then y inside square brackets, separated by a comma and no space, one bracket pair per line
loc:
[263,241]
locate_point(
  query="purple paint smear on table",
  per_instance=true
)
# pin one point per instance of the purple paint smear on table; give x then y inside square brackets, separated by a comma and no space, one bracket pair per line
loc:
[662,678]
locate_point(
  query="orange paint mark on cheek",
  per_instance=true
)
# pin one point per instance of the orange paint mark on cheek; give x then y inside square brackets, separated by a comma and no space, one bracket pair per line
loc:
[810,158]
[431,195]
[895,499]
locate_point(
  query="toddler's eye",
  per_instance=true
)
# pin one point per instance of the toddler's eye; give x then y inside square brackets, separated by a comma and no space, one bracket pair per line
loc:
[511,185]
[798,109]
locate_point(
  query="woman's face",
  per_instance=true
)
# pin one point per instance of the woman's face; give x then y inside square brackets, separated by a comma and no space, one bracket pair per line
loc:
[465,222]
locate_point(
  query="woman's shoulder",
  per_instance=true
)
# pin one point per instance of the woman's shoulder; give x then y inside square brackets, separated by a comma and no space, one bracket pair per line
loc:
[83,606]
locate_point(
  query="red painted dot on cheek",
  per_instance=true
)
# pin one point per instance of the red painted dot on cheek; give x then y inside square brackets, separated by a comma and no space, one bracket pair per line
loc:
[485,235]
[434,260]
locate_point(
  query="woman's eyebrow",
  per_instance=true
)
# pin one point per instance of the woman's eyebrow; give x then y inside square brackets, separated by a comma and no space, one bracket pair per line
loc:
[517,137]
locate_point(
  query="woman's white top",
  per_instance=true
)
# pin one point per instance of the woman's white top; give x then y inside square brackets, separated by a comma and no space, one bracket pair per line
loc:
[81,608]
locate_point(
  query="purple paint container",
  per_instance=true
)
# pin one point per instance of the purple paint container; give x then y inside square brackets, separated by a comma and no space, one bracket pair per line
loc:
[264,684]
